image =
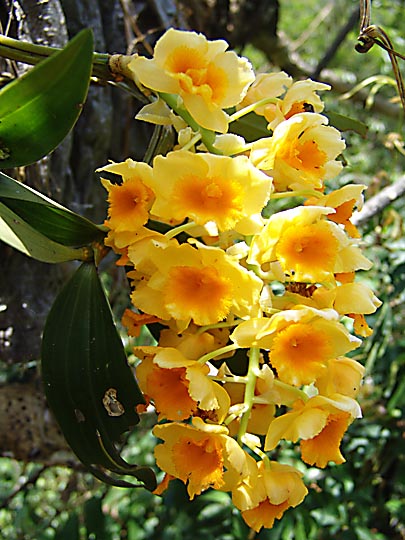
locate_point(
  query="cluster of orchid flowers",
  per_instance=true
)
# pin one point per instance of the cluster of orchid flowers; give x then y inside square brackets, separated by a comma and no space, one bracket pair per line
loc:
[229,283]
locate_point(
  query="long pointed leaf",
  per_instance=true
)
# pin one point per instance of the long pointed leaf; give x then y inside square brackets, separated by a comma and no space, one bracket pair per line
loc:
[15,232]
[39,109]
[47,216]
[88,383]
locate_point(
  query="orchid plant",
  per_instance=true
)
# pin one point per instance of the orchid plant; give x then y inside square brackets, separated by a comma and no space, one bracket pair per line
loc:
[255,311]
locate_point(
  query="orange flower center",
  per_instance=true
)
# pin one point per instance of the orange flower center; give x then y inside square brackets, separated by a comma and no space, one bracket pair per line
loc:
[169,390]
[310,249]
[343,214]
[200,461]
[299,107]
[209,198]
[304,156]
[198,293]
[299,353]
[196,75]
[129,204]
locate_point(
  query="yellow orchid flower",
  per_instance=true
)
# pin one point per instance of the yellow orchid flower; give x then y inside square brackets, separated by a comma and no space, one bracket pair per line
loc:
[308,247]
[320,422]
[300,341]
[203,73]
[204,187]
[278,487]
[179,387]
[201,284]
[201,455]
[131,200]
[301,152]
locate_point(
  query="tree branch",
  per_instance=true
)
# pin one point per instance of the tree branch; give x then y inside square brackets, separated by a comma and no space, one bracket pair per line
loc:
[376,204]
[336,43]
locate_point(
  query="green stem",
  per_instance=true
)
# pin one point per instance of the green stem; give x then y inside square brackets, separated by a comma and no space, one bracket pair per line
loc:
[300,193]
[252,107]
[253,372]
[209,327]
[292,390]
[213,354]
[263,456]
[30,53]
[207,136]
[194,140]
[181,228]
[21,51]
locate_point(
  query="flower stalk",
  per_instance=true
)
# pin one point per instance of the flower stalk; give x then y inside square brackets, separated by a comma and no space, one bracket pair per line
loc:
[253,372]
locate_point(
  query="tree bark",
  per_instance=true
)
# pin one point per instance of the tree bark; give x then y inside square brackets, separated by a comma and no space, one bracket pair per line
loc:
[28,287]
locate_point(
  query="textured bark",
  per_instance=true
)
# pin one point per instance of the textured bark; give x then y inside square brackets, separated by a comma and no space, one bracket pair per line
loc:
[28,430]
[28,287]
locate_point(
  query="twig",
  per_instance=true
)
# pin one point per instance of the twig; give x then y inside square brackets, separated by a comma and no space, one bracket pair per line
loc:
[30,481]
[376,204]
[312,27]
[334,46]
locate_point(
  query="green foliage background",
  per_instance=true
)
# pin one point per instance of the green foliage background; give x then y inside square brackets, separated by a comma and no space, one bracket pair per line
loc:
[363,499]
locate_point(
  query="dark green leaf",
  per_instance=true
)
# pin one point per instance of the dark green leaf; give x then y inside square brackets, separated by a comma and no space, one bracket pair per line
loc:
[15,232]
[251,127]
[345,123]
[47,216]
[94,519]
[70,529]
[87,380]
[39,109]
[64,227]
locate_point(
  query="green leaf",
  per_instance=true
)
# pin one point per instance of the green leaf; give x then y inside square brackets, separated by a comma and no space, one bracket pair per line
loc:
[94,519]
[39,109]
[64,227]
[251,127]
[70,529]
[345,123]
[18,234]
[47,216]
[87,380]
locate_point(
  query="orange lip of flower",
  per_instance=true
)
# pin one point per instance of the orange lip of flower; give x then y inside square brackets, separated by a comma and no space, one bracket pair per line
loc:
[304,156]
[169,389]
[209,199]
[325,447]
[299,353]
[200,462]
[311,250]
[201,455]
[198,292]
[264,514]
[195,75]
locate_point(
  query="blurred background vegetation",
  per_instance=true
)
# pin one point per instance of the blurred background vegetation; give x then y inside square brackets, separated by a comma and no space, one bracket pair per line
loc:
[43,493]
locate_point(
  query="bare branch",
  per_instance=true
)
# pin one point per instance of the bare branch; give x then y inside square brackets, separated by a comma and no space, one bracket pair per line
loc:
[336,43]
[376,204]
